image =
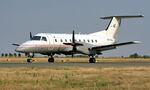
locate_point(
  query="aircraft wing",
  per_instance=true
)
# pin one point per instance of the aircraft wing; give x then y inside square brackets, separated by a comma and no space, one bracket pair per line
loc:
[86,48]
[113,46]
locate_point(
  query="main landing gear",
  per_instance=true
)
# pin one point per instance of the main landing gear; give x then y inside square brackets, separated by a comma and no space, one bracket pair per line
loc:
[51,59]
[92,60]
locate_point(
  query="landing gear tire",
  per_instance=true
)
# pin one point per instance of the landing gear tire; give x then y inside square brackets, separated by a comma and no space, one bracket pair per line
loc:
[92,60]
[29,60]
[51,60]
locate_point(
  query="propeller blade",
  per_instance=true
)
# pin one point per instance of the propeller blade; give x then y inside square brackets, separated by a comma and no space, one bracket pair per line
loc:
[73,37]
[31,36]
[74,48]
[73,44]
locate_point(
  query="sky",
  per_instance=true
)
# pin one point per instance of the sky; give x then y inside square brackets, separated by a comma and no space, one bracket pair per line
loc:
[20,17]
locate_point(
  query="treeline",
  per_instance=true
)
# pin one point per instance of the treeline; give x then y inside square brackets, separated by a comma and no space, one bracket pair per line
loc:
[135,55]
[10,55]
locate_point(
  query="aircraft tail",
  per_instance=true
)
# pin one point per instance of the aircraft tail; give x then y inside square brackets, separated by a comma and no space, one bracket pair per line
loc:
[115,22]
[113,27]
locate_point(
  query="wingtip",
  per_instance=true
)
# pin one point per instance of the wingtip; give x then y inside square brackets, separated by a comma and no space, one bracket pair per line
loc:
[142,15]
[137,42]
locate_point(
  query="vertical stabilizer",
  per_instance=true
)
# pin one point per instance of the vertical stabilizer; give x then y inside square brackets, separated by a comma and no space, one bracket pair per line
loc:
[113,27]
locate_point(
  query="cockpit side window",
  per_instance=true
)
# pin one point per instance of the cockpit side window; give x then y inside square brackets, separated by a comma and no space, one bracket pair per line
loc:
[36,37]
[44,39]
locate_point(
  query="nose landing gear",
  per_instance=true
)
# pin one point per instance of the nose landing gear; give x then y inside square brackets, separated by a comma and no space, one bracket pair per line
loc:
[30,56]
[51,59]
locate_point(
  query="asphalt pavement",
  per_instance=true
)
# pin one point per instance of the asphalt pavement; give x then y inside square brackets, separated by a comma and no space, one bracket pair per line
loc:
[84,64]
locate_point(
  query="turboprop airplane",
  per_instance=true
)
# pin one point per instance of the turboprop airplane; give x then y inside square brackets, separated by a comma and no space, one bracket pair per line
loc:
[69,44]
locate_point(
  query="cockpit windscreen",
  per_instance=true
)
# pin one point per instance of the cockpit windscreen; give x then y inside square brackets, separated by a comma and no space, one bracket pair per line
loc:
[36,37]
[39,38]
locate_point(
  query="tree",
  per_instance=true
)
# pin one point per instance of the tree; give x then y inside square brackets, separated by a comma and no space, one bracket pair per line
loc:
[146,56]
[6,54]
[15,54]
[10,54]
[19,55]
[135,55]
[2,55]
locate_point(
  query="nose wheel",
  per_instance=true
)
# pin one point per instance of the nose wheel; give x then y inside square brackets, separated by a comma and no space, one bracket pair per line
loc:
[51,60]
[29,60]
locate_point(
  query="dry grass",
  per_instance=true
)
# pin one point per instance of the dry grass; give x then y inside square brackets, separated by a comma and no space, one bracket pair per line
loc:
[76,59]
[75,78]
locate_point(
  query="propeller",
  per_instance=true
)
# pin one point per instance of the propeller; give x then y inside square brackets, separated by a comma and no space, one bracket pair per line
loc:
[74,44]
[31,36]
[74,49]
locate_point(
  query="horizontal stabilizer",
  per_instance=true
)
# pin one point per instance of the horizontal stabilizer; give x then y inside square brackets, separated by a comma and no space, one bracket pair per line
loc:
[15,44]
[128,16]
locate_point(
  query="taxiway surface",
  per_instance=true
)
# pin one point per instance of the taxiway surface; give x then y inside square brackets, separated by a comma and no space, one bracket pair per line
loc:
[84,64]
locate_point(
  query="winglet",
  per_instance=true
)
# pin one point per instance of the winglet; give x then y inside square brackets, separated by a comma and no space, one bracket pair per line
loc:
[137,42]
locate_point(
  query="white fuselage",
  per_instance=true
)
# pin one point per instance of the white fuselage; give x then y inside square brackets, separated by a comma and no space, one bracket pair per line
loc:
[69,44]
[53,43]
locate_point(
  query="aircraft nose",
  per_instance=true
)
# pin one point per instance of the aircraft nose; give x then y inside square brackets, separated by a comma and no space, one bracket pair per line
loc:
[19,49]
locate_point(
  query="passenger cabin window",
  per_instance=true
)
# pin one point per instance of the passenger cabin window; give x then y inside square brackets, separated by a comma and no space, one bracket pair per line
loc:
[61,40]
[55,40]
[96,41]
[84,40]
[36,38]
[65,40]
[44,39]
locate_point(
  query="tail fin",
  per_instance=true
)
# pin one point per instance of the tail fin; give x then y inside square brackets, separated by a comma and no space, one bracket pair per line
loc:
[113,27]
